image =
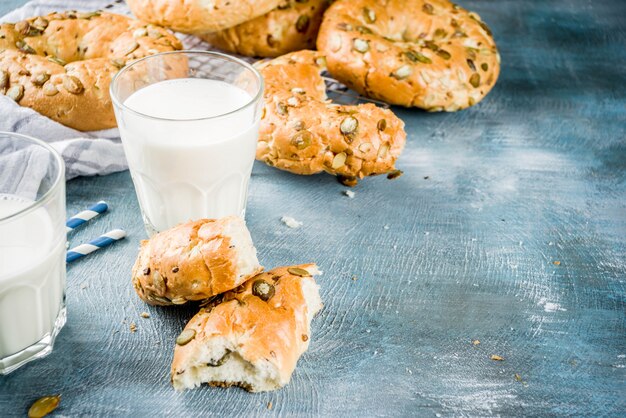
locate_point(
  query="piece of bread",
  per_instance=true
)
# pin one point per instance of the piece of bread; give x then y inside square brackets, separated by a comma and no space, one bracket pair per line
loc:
[200,16]
[250,337]
[292,26]
[61,64]
[195,261]
[302,132]
[430,54]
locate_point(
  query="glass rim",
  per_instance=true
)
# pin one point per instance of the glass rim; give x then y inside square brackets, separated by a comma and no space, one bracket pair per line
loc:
[221,55]
[55,185]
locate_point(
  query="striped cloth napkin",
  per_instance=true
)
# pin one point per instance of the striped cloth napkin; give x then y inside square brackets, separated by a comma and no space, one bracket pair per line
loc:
[85,153]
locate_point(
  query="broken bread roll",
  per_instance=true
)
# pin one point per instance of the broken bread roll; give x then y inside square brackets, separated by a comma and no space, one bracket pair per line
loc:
[195,261]
[252,336]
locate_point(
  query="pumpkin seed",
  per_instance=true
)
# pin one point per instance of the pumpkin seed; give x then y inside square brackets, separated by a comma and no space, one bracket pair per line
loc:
[138,33]
[470,63]
[43,406]
[40,79]
[417,57]
[459,34]
[339,160]
[381,125]
[186,336]
[297,271]
[263,290]
[444,54]
[485,27]
[302,24]
[16,92]
[130,48]
[4,80]
[360,45]
[394,174]
[281,109]
[440,33]
[431,45]
[382,151]
[402,72]
[364,30]
[158,282]
[72,84]
[349,125]
[344,26]
[50,89]
[428,9]
[475,80]
[484,66]
[56,60]
[118,62]
[24,47]
[370,15]
[302,140]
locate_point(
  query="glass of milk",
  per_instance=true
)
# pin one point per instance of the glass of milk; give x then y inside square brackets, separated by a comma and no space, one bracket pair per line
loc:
[32,249]
[189,124]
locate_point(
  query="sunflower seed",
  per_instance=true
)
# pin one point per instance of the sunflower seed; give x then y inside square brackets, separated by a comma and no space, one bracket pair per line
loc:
[297,271]
[360,45]
[440,33]
[40,23]
[381,125]
[50,89]
[302,24]
[370,15]
[40,79]
[339,160]
[138,33]
[417,57]
[302,140]
[470,63]
[402,72]
[349,125]
[22,27]
[428,9]
[154,34]
[130,48]
[43,406]
[382,151]
[281,109]
[475,80]
[88,15]
[186,336]
[158,282]
[444,54]
[263,290]
[24,47]
[365,147]
[364,30]
[179,301]
[394,174]
[56,60]
[72,84]
[4,80]
[344,26]
[118,62]
[16,92]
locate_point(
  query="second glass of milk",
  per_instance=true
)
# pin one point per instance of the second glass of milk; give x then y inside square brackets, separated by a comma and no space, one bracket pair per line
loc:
[189,126]
[32,249]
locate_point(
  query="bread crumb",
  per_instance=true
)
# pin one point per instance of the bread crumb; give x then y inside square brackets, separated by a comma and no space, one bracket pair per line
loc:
[556,263]
[133,327]
[518,377]
[349,193]
[475,342]
[291,222]
[145,315]
[354,278]
[495,357]
[386,227]
[84,286]
[270,405]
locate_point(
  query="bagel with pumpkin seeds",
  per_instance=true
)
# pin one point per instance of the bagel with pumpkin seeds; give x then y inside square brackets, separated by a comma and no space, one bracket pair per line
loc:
[200,16]
[430,54]
[292,26]
[303,132]
[61,64]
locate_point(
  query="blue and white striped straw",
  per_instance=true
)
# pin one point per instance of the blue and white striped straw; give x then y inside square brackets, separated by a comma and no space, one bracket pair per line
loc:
[93,245]
[84,216]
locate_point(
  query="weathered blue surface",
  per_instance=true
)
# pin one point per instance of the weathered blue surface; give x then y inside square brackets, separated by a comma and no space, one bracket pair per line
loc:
[533,175]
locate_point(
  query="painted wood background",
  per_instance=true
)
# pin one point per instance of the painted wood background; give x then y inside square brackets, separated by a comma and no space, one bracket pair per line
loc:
[463,247]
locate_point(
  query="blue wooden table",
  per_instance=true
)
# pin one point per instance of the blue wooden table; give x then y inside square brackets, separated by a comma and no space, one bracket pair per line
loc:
[505,236]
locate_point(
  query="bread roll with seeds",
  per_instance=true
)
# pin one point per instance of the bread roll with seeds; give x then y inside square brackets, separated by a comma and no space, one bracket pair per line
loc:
[250,337]
[302,132]
[194,261]
[200,16]
[430,54]
[292,26]
[61,64]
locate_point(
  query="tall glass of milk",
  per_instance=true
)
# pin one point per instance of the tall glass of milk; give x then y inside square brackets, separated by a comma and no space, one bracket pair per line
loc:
[189,126]
[32,249]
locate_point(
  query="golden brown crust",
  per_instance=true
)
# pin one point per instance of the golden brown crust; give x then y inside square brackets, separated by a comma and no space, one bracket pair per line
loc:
[199,16]
[192,261]
[429,54]
[61,64]
[292,26]
[270,333]
[303,133]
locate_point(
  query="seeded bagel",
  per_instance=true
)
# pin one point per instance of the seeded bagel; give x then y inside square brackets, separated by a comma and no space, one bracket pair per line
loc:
[292,26]
[429,54]
[61,64]
[252,336]
[194,261]
[200,16]
[302,132]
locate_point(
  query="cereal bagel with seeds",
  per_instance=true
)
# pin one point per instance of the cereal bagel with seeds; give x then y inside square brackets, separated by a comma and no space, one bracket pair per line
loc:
[61,64]
[302,132]
[200,16]
[429,54]
[252,336]
[194,261]
[292,26]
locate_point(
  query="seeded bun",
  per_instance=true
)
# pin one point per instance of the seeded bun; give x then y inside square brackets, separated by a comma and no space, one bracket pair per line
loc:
[251,337]
[194,261]
[303,133]
[429,54]
[292,26]
[200,16]
[61,64]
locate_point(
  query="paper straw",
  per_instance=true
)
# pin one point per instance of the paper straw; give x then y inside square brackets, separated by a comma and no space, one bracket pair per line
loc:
[100,242]
[82,217]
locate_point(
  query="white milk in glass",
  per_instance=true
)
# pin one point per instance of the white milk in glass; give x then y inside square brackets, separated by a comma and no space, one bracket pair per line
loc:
[186,169]
[32,276]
